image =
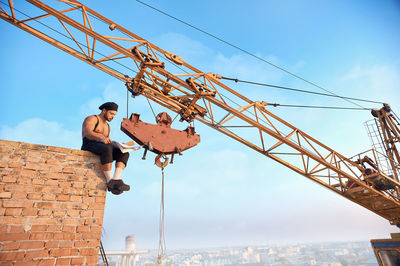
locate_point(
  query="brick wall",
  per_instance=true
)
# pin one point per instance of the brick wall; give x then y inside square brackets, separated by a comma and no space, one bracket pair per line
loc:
[51,205]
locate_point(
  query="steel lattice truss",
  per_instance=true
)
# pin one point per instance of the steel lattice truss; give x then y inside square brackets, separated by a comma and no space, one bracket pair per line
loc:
[194,94]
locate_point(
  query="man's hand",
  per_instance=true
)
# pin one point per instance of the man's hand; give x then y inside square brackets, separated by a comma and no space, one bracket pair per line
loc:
[106,140]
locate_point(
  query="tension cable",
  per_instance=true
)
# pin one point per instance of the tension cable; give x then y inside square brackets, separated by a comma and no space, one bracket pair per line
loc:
[161,242]
[299,90]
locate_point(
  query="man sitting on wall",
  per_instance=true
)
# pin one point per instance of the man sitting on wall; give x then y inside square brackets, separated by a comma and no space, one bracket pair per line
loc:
[95,136]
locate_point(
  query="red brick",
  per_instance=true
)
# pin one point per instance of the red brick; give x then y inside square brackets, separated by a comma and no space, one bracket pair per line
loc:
[46,205]
[17,229]
[13,211]
[77,261]
[3,228]
[64,184]
[31,244]
[73,213]
[73,191]
[91,236]
[51,189]
[72,221]
[57,169]
[59,213]
[81,229]
[68,170]
[49,197]
[12,220]
[3,164]
[13,236]
[58,149]
[5,195]
[9,179]
[41,236]
[100,199]
[34,196]
[10,246]
[15,165]
[95,228]
[98,213]
[12,256]
[28,173]
[69,228]
[79,244]
[45,212]
[24,180]
[19,195]
[37,181]
[26,262]
[29,212]
[47,262]
[75,206]
[17,203]
[65,244]
[76,198]
[51,244]
[63,261]
[63,252]
[20,188]
[38,227]
[63,197]
[88,251]
[44,220]
[64,236]
[92,259]
[55,228]
[36,254]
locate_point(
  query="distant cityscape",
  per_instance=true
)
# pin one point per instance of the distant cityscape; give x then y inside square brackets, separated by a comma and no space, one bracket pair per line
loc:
[324,254]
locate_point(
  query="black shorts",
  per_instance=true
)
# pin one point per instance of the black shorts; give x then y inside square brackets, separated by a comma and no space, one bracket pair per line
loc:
[108,153]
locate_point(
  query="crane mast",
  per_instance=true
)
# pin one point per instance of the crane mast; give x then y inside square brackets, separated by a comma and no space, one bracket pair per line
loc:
[194,94]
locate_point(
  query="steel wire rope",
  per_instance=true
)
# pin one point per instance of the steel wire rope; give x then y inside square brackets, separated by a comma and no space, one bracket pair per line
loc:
[68,37]
[298,90]
[248,53]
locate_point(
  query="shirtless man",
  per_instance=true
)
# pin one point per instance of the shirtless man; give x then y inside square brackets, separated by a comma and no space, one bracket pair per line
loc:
[95,136]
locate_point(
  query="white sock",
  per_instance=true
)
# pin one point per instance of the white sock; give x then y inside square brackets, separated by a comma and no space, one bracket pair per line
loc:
[108,175]
[117,173]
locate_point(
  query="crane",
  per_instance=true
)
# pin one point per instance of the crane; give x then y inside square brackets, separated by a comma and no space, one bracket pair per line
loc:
[197,95]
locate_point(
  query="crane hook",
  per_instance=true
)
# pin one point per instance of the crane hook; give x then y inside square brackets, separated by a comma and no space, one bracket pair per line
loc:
[158,161]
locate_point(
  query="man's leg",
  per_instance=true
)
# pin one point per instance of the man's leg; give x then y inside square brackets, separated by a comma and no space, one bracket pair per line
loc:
[121,161]
[106,156]
[119,168]
[107,171]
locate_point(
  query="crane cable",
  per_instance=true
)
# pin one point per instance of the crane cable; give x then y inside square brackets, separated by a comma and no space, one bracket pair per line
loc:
[161,242]
[299,90]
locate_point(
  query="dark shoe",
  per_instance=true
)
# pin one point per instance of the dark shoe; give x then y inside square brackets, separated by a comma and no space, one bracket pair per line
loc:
[111,187]
[115,191]
[120,185]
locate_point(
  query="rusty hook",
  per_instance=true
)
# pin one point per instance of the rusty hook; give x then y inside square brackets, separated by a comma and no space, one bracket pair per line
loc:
[158,162]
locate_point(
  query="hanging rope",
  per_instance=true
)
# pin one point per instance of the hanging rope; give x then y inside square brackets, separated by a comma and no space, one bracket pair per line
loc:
[161,243]
[151,107]
[127,104]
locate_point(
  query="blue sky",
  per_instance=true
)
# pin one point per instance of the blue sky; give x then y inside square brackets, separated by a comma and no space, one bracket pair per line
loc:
[221,193]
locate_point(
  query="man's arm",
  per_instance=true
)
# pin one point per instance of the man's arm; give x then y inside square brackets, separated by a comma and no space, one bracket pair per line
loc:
[87,130]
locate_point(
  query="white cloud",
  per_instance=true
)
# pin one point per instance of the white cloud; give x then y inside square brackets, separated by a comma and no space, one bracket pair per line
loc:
[113,92]
[381,82]
[39,131]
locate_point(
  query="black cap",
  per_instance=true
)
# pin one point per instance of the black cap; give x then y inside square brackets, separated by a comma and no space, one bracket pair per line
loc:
[109,106]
